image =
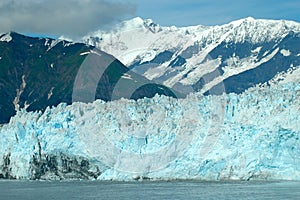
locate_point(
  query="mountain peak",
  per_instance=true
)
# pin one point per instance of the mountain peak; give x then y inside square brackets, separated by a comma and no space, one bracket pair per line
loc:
[134,21]
[138,22]
[249,18]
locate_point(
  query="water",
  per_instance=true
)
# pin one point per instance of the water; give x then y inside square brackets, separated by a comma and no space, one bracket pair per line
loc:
[148,190]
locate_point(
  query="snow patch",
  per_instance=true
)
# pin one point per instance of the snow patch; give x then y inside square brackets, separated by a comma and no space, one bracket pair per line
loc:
[257,50]
[96,52]
[54,43]
[50,93]
[65,38]
[285,52]
[126,76]
[47,42]
[233,70]
[19,93]
[200,71]
[6,38]
[85,53]
[67,44]
[26,105]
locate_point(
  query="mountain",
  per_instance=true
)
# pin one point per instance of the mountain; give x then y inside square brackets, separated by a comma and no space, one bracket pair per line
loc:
[39,72]
[211,59]
[250,134]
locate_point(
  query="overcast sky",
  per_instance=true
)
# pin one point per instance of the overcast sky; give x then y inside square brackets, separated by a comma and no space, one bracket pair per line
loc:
[78,17]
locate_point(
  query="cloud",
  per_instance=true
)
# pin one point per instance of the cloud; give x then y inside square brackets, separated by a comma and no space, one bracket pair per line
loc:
[61,17]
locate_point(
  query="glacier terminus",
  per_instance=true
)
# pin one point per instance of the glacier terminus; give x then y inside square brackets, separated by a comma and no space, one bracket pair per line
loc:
[249,136]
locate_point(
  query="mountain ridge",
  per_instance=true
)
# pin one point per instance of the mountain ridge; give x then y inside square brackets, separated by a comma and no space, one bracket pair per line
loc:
[39,72]
[197,56]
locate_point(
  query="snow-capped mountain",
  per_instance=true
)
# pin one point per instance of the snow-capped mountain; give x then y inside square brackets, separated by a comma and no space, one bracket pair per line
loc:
[40,72]
[250,136]
[230,58]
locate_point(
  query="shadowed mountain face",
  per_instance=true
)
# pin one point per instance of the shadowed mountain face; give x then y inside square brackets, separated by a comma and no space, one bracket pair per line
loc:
[40,72]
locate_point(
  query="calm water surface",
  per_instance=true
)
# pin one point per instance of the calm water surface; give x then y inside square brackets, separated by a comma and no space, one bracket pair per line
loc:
[148,190]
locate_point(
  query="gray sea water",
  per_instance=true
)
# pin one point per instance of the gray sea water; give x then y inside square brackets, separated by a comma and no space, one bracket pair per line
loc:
[148,190]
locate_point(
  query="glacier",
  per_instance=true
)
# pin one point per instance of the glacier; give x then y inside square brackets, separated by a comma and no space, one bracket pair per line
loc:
[250,136]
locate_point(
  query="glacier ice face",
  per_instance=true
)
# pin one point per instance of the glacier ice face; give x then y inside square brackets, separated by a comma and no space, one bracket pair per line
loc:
[254,135]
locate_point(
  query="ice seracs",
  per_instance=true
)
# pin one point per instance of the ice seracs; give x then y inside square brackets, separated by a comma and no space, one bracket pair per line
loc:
[254,135]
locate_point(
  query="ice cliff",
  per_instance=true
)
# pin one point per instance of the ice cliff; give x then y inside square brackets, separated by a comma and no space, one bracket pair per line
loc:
[254,135]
